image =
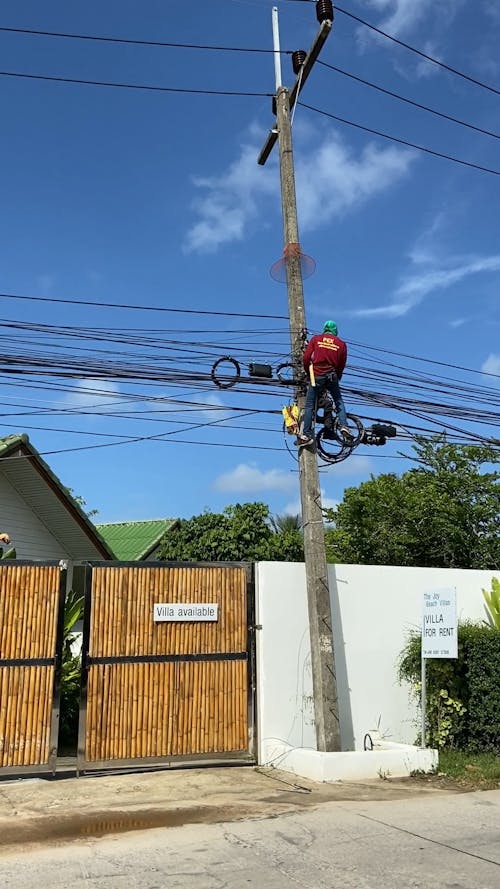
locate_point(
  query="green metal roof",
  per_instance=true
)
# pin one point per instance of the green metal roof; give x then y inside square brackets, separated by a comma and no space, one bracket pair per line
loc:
[134,541]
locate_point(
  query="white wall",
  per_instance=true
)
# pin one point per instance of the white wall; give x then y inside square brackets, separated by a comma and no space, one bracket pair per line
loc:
[373,609]
[30,537]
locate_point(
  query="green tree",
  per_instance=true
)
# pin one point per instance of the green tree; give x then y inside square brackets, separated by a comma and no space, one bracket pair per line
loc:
[82,503]
[286,522]
[444,512]
[239,533]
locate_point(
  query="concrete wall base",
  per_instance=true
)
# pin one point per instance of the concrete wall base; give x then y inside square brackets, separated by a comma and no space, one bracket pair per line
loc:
[384,761]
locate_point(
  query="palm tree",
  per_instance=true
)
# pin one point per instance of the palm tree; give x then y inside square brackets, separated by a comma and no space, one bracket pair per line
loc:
[283,523]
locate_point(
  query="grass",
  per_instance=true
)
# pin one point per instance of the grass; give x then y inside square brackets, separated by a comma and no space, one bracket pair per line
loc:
[480,771]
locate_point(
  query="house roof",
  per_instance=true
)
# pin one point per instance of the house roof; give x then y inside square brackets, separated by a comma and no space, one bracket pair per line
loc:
[134,541]
[45,494]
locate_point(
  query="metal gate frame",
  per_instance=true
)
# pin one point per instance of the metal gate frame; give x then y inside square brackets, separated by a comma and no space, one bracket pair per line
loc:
[250,756]
[55,661]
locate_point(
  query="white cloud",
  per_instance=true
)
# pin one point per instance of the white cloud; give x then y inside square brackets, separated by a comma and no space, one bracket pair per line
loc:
[230,202]
[492,365]
[492,9]
[425,250]
[248,478]
[294,506]
[330,181]
[211,413]
[400,15]
[358,465]
[425,69]
[88,393]
[416,287]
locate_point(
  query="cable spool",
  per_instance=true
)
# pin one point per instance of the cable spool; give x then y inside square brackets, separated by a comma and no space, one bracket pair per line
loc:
[225,382]
[286,380]
[356,437]
[324,11]
[330,449]
[298,59]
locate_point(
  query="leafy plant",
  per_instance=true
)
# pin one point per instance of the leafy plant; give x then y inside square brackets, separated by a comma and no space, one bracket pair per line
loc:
[492,600]
[239,533]
[73,612]
[70,675]
[284,523]
[8,553]
[444,715]
[463,694]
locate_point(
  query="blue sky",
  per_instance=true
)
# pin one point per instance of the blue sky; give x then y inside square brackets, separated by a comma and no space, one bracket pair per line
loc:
[156,199]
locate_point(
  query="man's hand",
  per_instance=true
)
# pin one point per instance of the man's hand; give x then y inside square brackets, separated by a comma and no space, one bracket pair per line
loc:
[4,538]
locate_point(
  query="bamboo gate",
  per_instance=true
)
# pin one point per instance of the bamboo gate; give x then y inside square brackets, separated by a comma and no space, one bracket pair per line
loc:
[31,632]
[173,691]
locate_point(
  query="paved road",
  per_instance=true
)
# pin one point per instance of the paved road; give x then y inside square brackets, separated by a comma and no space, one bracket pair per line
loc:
[436,842]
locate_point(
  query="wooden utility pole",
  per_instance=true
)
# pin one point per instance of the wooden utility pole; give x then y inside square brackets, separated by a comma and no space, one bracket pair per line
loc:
[318,595]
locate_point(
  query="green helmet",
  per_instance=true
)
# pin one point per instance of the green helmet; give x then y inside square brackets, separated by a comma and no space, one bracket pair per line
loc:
[330,327]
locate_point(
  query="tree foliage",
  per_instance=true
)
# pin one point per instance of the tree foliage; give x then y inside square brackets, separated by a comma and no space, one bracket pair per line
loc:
[239,533]
[286,522]
[444,512]
[463,695]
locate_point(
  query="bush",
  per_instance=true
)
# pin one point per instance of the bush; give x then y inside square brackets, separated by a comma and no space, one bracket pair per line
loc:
[463,695]
[70,677]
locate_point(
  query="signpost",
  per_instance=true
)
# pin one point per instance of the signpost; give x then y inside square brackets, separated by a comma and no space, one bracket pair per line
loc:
[439,634]
[197,611]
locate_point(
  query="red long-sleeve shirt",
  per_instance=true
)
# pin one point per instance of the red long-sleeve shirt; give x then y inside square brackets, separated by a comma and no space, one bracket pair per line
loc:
[325,351]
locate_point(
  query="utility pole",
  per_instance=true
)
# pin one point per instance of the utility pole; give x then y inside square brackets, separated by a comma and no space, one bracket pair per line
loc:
[318,595]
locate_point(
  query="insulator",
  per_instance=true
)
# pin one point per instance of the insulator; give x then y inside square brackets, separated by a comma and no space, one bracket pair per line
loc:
[324,11]
[298,59]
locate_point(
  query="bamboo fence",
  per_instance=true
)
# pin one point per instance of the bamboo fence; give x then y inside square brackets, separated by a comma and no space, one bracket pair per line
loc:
[166,708]
[29,596]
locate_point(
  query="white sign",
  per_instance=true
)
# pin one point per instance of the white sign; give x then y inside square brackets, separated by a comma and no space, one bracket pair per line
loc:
[197,611]
[439,624]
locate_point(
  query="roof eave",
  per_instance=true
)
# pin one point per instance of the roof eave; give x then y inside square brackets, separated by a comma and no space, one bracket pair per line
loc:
[22,445]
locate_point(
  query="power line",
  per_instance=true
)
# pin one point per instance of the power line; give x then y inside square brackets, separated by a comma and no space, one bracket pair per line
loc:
[408,101]
[405,142]
[135,42]
[86,302]
[425,360]
[418,52]
[220,48]
[121,335]
[132,86]
[413,49]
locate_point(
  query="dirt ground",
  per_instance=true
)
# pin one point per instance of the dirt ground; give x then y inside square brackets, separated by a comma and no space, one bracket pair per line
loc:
[41,810]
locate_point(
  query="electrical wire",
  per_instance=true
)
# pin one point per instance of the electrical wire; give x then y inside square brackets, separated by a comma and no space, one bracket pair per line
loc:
[107,305]
[418,52]
[135,42]
[45,356]
[410,48]
[406,142]
[240,49]
[133,86]
[412,102]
